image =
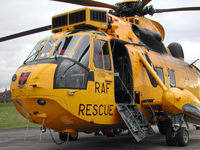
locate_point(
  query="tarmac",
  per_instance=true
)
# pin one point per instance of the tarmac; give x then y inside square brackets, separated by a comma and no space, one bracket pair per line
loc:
[32,139]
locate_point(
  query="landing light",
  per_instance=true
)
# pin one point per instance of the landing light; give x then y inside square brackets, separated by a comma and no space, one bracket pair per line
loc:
[14,77]
[41,102]
[71,93]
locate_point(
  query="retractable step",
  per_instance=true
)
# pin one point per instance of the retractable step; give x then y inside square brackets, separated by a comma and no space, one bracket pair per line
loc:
[135,121]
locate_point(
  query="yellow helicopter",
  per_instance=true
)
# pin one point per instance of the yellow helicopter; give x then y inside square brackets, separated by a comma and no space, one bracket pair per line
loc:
[104,70]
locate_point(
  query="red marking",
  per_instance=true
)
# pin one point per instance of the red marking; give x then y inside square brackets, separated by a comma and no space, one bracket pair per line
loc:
[114,20]
[96,57]
[109,131]
[23,78]
[62,52]
[83,71]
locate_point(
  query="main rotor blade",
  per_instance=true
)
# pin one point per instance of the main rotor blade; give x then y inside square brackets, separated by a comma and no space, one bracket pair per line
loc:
[89,3]
[24,33]
[177,9]
[144,3]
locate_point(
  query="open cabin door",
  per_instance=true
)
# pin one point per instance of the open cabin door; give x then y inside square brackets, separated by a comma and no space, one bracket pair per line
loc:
[123,69]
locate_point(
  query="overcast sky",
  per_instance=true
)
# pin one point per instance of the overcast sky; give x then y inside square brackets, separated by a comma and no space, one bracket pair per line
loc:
[20,15]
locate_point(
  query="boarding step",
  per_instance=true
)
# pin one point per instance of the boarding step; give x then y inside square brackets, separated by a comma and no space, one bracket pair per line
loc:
[135,121]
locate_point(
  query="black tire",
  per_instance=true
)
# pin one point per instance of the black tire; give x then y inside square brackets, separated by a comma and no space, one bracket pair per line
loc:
[64,136]
[182,137]
[73,138]
[104,131]
[117,131]
[163,130]
[163,126]
[170,138]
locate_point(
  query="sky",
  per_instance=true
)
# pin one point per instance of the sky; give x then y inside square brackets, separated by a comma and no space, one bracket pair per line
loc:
[21,15]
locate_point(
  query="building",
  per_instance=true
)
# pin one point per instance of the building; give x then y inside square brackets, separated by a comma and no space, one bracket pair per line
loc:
[5,97]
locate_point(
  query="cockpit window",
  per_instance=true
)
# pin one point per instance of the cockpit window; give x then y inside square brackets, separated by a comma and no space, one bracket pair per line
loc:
[34,53]
[75,47]
[47,48]
[65,46]
[101,55]
[106,55]
[84,31]
[81,53]
[97,58]
[72,71]
[71,75]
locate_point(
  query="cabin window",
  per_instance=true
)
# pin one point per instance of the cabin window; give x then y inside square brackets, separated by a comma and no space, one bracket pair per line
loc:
[101,55]
[106,55]
[160,73]
[98,59]
[172,80]
[152,80]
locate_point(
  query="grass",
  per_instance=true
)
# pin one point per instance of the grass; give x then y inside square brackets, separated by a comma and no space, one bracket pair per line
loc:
[11,118]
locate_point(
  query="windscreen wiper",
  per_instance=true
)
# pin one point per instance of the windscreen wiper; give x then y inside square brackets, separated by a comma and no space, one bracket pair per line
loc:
[36,53]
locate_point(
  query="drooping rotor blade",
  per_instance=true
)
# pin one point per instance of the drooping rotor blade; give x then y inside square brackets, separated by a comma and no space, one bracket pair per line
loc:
[144,3]
[89,3]
[177,9]
[24,33]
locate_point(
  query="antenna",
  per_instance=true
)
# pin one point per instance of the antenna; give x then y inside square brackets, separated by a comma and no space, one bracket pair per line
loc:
[194,62]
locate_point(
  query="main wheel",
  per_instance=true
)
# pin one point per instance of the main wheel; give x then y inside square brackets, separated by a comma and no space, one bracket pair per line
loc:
[182,137]
[64,136]
[163,125]
[117,131]
[162,130]
[170,137]
[73,137]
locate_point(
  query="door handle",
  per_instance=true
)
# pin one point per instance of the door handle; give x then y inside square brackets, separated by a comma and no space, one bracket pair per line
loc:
[109,79]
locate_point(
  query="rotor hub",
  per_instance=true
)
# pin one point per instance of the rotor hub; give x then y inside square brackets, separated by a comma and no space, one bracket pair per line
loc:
[129,1]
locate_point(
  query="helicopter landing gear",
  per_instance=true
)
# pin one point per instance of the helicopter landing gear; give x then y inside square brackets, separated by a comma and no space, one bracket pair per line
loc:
[163,125]
[181,137]
[65,136]
[170,137]
[176,134]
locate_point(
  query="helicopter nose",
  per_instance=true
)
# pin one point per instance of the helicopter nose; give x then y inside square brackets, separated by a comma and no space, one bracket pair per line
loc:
[34,95]
[32,76]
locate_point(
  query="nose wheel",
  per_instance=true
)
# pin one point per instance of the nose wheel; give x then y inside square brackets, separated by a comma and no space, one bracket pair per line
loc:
[180,137]
[65,136]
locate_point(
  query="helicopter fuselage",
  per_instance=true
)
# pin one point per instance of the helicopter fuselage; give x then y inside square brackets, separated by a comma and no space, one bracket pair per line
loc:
[73,80]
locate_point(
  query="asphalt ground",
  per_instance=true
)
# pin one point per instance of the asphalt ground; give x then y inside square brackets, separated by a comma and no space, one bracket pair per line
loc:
[13,139]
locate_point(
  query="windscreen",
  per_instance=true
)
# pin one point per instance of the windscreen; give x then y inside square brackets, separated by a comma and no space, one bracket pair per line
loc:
[72,71]
[47,49]
[75,47]
[36,50]
[65,46]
